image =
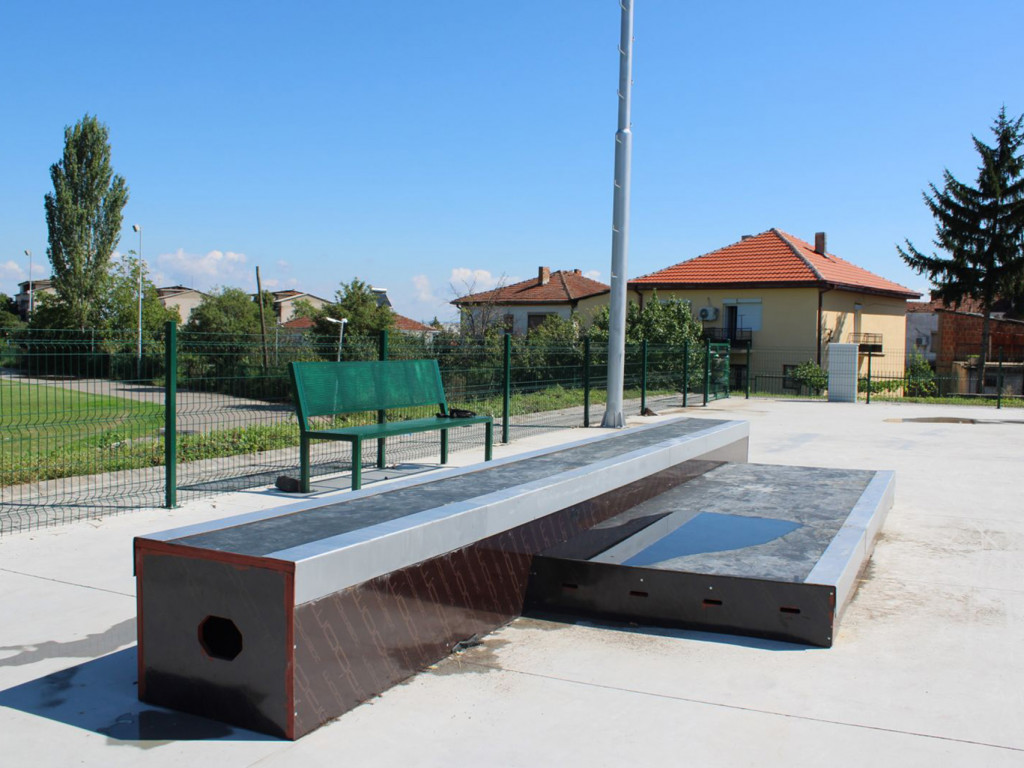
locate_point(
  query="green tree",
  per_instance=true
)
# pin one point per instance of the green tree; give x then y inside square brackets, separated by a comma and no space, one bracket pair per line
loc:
[668,322]
[9,312]
[920,377]
[229,312]
[121,305]
[357,303]
[981,229]
[83,218]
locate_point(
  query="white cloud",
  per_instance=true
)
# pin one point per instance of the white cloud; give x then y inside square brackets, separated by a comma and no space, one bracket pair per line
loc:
[593,274]
[282,264]
[205,271]
[12,271]
[464,280]
[421,285]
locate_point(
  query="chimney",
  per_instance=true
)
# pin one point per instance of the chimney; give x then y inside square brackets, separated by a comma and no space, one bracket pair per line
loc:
[544,275]
[819,243]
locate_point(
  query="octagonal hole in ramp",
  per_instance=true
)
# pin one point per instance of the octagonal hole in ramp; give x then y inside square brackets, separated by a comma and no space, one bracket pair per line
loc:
[220,637]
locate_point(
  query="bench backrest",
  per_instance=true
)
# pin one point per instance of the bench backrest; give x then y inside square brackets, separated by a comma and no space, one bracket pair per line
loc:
[324,389]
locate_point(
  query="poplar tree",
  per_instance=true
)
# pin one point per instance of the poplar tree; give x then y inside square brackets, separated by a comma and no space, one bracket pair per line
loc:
[980,228]
[83,217]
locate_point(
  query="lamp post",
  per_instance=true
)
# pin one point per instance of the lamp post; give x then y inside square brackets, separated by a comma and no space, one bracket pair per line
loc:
[138,359]
[613,416]
[341,331]
[31,295]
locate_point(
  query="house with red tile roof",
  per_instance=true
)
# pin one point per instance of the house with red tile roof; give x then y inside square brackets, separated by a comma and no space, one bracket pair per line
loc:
[403,324]
[525,305]
[781,293]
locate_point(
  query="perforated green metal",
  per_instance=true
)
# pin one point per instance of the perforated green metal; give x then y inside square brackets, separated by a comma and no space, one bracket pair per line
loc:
[324,389]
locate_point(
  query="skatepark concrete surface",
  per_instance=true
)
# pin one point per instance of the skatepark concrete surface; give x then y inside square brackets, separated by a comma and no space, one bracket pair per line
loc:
[927,668]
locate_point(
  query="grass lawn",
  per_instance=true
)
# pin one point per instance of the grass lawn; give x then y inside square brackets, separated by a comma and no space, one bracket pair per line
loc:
[48,432]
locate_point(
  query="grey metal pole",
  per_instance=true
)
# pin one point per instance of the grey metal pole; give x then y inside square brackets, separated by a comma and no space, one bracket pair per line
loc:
[613,416]
[31,293]
[341,332]
[138,356]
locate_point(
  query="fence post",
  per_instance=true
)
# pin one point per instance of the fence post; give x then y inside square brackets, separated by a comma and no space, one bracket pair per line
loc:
[586,381]
[643,376]
[382,416]
[506,395]
[869,377]
[686,370]
[707,370]
[171,415]
[750,363]
[999,381]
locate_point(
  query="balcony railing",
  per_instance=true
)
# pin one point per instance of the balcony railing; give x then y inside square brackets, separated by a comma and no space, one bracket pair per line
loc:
[867,342]
[732,335]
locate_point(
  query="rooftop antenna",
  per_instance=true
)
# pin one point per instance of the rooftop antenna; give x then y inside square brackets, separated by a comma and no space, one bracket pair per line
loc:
[620,227]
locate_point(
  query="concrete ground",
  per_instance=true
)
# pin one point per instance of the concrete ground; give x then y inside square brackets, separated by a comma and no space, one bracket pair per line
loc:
[927,669]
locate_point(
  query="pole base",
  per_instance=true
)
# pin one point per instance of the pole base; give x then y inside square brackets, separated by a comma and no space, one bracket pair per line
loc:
[613,420]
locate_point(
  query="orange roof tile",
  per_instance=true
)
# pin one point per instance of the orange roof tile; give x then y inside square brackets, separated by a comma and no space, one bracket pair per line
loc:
[403,323]
[563,286]
[772,258]
[298,323]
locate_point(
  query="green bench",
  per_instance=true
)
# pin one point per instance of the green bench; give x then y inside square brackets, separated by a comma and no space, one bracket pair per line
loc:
[334,389]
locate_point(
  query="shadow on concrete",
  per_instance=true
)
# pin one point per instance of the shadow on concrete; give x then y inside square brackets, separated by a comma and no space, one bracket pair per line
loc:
[100,696]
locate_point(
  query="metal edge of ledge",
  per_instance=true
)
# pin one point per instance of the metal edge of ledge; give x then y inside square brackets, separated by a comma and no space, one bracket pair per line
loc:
[307,503]
[848,553]
[330,564]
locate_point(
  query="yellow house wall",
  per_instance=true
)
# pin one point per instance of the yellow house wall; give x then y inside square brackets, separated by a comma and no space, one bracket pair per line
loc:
[879,314]
[789,316]
[590,306]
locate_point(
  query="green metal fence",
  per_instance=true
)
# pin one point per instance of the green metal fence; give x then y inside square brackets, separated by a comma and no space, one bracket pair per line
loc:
[83,435]
[891,376]
[88,427]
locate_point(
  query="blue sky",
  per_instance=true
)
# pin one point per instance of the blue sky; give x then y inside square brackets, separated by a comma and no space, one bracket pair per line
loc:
[429,146]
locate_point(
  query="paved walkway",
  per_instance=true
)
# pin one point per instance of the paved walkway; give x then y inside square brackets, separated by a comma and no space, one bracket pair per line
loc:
[926,670]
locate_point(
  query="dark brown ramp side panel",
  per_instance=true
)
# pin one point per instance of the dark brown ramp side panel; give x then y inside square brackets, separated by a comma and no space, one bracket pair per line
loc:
[356,643]
[215,635]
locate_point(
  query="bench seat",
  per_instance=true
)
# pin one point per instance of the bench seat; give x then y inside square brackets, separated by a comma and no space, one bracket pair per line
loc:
[330,389]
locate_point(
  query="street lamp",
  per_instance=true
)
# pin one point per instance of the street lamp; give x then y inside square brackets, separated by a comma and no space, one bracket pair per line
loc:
[138,365]
[341,331]
[30,294]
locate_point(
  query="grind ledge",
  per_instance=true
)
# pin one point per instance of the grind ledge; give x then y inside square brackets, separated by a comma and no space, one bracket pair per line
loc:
[281,620]
[763,550]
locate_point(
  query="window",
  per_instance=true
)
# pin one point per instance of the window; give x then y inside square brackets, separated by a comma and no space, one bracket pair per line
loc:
[788,382]
[533,321]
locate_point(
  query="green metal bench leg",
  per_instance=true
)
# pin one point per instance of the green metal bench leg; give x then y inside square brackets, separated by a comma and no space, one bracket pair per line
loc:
[489,438]
[444,446]
[303,463]
[357,464]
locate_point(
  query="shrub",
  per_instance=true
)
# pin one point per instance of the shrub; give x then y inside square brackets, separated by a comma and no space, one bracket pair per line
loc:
[811,376]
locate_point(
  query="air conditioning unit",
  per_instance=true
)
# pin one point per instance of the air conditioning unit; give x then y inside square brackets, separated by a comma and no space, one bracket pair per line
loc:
[707,314]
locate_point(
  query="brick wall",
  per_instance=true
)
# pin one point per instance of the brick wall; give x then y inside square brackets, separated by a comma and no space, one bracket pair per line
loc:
[960,335]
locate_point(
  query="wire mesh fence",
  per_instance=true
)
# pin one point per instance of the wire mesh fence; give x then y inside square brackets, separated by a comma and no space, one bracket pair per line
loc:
[85,424]
[92,424]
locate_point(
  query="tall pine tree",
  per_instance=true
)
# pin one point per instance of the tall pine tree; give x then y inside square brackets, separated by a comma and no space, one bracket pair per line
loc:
[83,216]
[981,228]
